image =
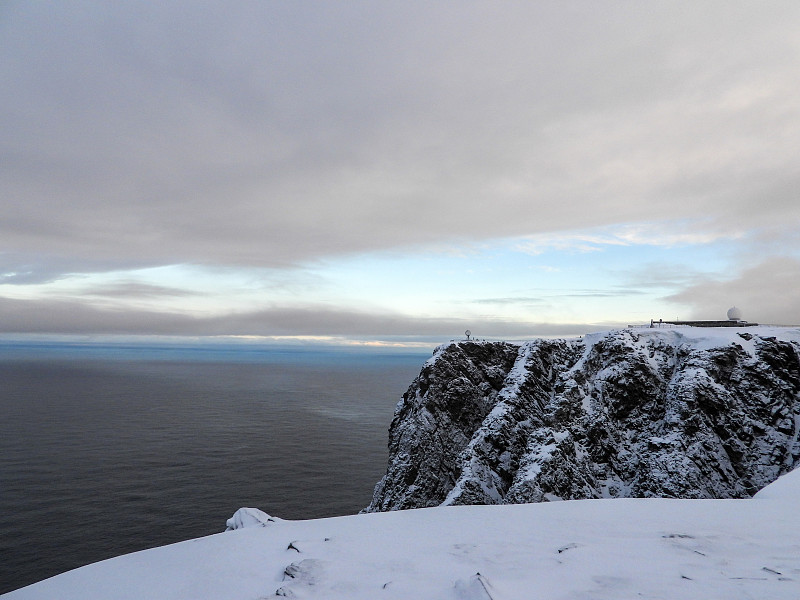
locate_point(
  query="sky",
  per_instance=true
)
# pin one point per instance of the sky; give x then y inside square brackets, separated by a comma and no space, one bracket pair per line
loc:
[396,172]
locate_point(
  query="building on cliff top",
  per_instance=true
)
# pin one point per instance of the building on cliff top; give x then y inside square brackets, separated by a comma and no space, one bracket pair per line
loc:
[734,320]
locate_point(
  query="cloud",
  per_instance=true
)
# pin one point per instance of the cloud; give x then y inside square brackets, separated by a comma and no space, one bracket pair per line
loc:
[667,233]
[766,293]
[134,290]
[71,317]
[513,300]
[664,276]
[21,268]
[269,134]
[556,294]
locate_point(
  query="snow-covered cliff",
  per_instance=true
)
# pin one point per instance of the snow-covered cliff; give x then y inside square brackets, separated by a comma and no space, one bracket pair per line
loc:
[677,413]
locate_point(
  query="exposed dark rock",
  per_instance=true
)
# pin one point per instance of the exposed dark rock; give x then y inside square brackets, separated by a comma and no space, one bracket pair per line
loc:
[637,413]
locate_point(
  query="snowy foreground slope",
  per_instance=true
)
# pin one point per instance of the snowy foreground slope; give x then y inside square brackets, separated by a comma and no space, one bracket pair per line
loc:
[581,549]
[688,412]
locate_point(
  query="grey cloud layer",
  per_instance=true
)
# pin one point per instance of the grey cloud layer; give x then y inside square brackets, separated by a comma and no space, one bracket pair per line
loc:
[268,133]
[71,317]
[771,286]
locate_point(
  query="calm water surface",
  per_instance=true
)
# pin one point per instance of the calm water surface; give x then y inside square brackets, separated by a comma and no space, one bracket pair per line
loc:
[108,451]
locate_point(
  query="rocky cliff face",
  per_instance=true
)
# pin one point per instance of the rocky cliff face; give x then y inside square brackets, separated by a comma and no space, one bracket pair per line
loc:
[680,413]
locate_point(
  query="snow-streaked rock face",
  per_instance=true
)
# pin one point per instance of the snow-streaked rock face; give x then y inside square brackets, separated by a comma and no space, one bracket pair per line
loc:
[678,413]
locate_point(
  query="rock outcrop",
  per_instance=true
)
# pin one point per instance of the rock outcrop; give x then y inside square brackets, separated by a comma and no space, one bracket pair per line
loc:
[679,413]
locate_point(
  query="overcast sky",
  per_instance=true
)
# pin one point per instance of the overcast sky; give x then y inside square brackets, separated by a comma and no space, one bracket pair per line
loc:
[397,171]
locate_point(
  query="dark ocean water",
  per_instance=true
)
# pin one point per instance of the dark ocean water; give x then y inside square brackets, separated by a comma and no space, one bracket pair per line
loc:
[109,450]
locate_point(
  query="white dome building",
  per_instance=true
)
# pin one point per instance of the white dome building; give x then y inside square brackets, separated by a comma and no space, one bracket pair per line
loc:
[734,314]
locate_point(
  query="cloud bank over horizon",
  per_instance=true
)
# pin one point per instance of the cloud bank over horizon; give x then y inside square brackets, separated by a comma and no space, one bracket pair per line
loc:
[364,169]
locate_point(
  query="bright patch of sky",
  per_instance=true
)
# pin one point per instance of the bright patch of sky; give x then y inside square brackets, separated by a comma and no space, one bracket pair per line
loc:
[603,275]
[590,277]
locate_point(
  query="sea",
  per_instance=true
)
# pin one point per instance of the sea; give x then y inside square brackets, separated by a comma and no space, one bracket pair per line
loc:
[107,449]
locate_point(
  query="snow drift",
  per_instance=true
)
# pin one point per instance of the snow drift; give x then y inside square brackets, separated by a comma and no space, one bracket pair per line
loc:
[620,549]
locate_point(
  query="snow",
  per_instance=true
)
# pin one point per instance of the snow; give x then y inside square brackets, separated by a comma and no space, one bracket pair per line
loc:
[516,376]
[698,338]
[625,548]
[706,338]
[784,489]
[248,517]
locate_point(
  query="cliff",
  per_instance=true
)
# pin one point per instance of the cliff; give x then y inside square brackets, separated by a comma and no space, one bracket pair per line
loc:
[676,413]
